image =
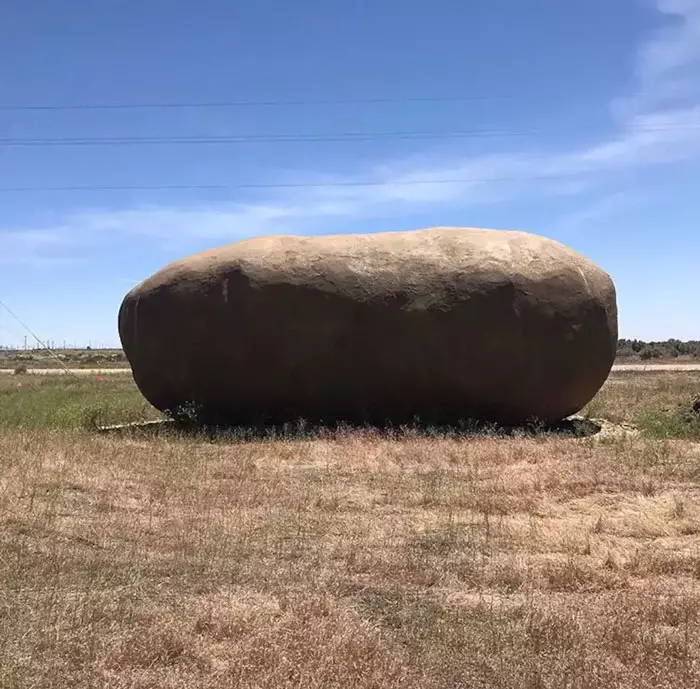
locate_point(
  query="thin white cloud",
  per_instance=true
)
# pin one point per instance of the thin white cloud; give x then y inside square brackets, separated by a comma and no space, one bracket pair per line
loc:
[169,223]
[603,207]
[668,63]
[39,246]
[650,139]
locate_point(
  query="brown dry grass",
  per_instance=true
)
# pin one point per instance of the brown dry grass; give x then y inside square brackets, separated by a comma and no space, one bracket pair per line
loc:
[350,562]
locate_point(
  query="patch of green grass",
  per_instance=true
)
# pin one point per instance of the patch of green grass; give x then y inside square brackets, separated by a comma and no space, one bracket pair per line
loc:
[670,424]
[61,401]
[71,402]
[658,403]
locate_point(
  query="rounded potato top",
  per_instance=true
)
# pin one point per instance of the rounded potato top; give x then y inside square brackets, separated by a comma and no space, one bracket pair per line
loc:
[386,261]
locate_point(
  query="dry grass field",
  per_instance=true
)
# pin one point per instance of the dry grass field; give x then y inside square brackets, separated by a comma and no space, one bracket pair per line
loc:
[72,358]
[350,560]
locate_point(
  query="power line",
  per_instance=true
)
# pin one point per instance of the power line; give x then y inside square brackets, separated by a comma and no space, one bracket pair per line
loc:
[31,332]
[282,185]
[290,137]
[252,138]
[243,103]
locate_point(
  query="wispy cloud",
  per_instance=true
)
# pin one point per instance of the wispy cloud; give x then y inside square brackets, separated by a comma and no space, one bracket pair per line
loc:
[668,63]
[658,126]
[603,207]
[39,247]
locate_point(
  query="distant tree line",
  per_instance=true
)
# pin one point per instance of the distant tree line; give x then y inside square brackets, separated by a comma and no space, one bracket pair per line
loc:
[626,349]
[670,349]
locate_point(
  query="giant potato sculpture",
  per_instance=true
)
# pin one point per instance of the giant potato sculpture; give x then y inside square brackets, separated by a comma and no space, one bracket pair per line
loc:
[441,324]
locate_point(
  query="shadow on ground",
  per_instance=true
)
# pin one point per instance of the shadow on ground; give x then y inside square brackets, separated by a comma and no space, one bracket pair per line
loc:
[576,427]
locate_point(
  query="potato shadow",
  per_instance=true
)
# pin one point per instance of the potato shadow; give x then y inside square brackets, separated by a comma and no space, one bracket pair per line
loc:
[300,430]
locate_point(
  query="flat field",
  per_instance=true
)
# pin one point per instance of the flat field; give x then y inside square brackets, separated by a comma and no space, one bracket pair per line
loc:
[354,559]
[72,358]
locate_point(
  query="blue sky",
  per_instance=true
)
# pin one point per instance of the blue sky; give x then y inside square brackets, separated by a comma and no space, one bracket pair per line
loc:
[578,120]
